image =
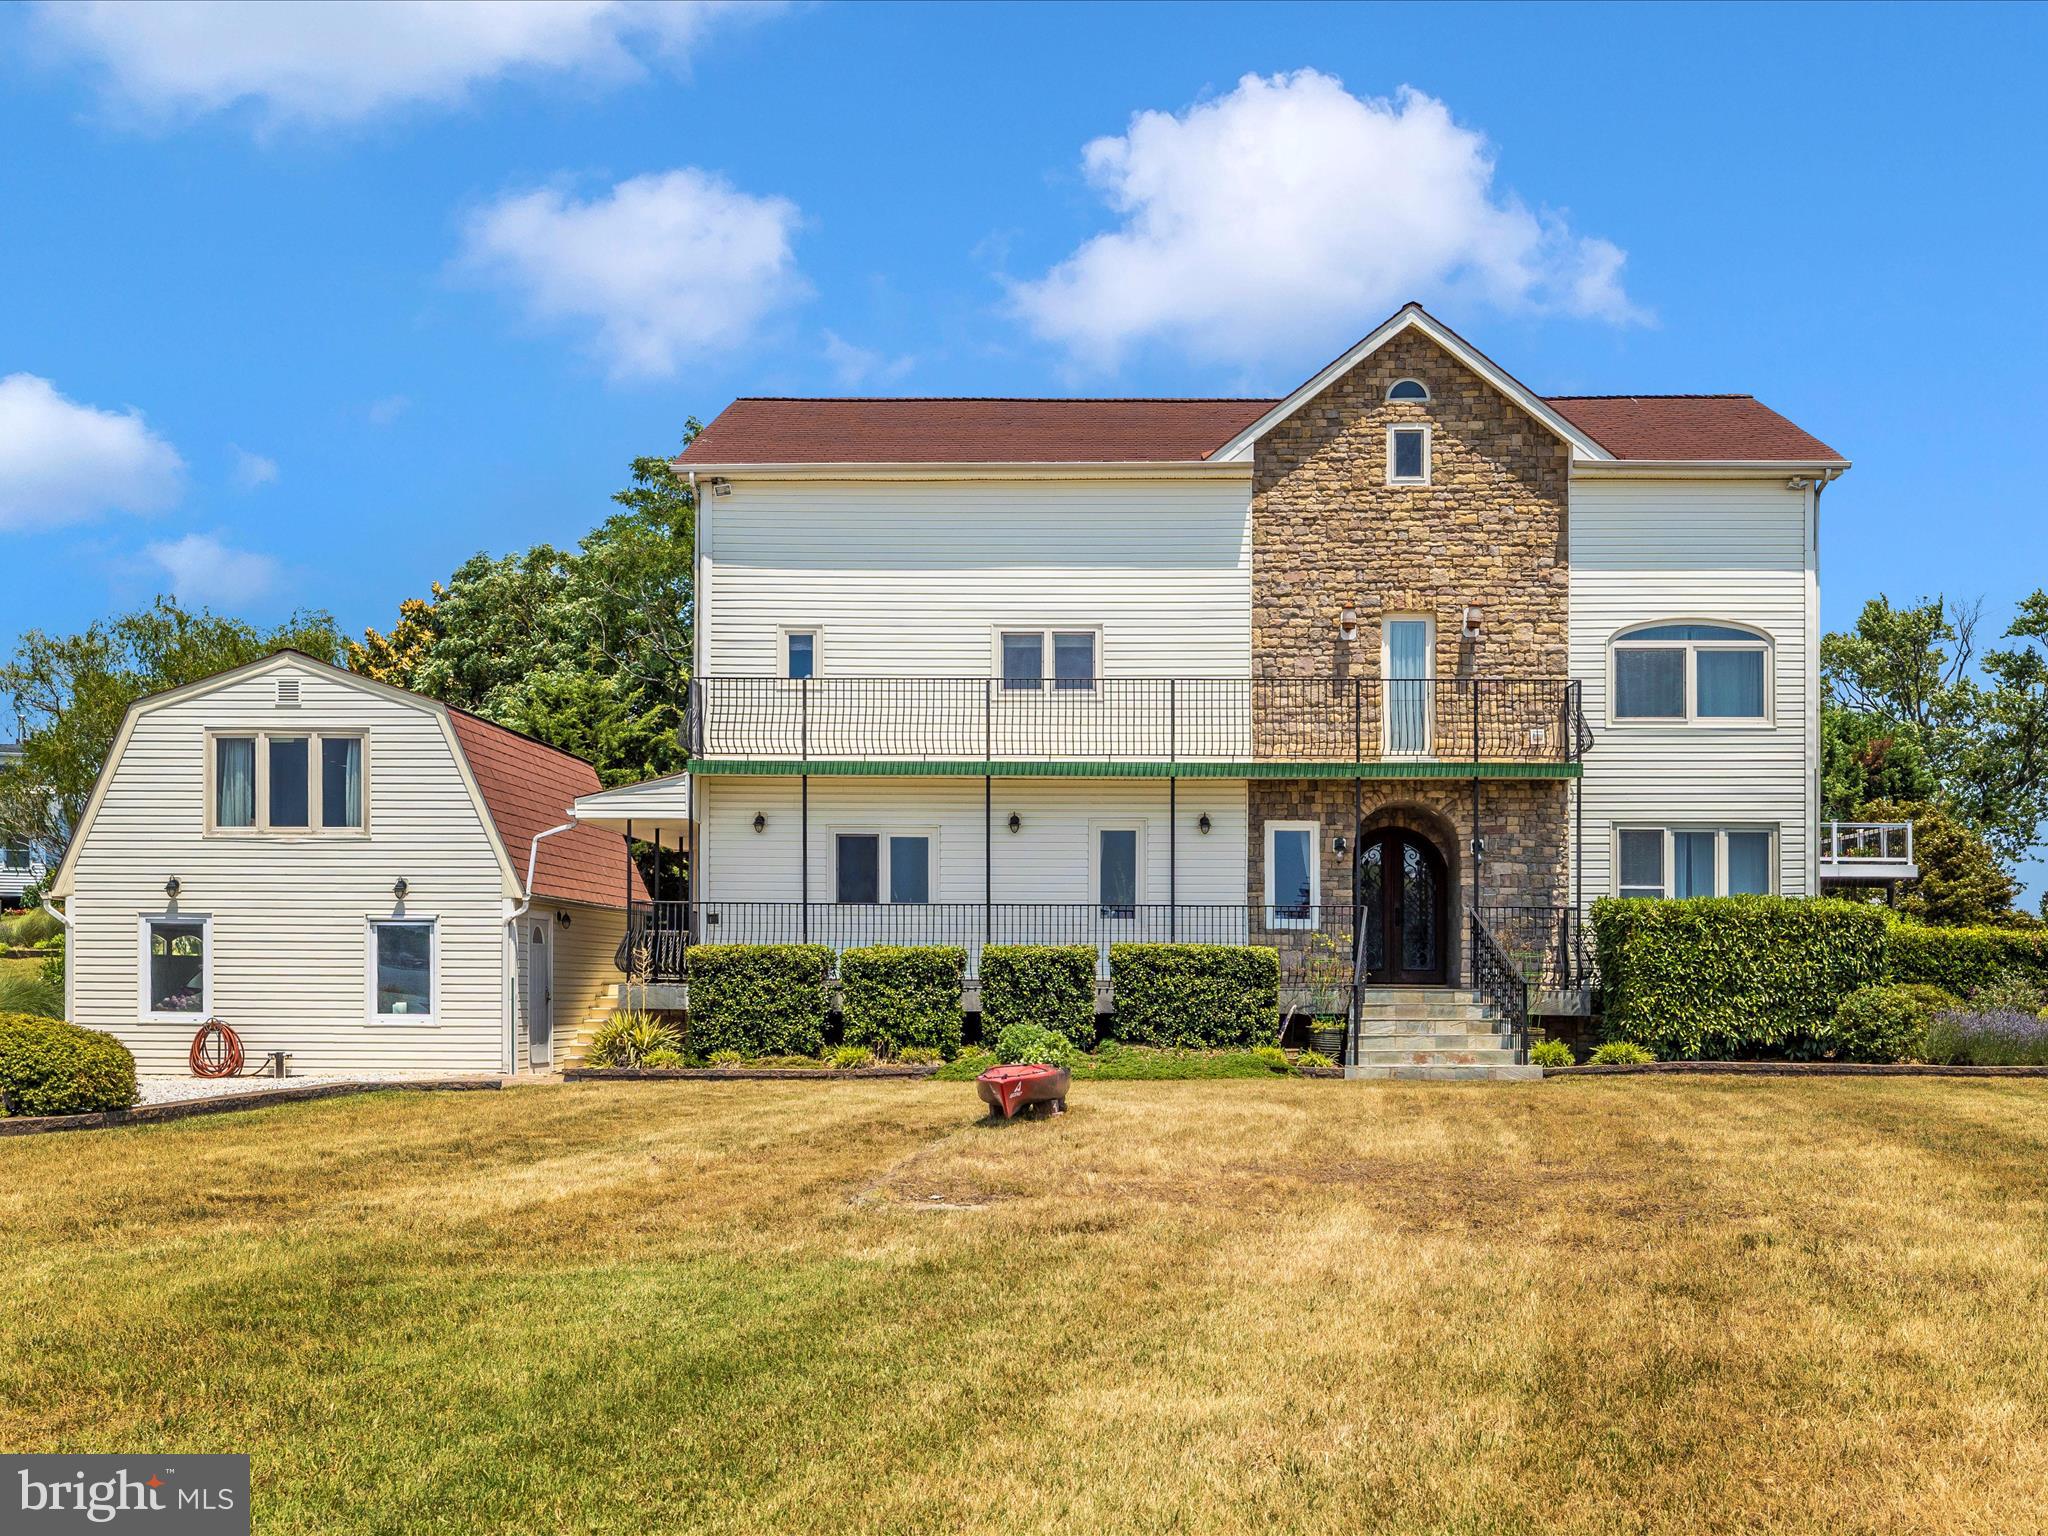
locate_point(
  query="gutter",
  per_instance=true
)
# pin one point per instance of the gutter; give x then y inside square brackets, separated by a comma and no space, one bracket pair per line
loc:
[1056,469]
[1745,469]
[511,1057]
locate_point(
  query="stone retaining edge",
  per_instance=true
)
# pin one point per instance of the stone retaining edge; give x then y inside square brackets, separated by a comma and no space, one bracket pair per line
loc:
[1794,1069]
[261,1098]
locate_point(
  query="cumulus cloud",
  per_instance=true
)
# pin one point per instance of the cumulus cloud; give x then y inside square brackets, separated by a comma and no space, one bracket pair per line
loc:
[338,61]
[61,461]
[1290,213]
[251,469]
[203,569]
[661,269]
[856,365]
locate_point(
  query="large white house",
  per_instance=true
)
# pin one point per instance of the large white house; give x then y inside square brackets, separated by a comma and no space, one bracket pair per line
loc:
[1414,658]
[361,878]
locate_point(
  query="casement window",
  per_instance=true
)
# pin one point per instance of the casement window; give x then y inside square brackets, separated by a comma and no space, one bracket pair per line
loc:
[1030,656]
[799,653]
[1408,389]
[1116,871]
[404,969]
[1407,662]
[1408,455]
[1678,862]
[285,782]
[1293,883]
[176,966]
[892,867]
[1684,673]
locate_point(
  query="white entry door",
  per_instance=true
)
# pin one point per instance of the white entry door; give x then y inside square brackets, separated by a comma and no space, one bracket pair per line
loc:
[540,1009]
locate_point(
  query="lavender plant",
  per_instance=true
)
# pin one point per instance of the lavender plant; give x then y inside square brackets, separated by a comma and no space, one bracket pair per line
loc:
[2002,1038]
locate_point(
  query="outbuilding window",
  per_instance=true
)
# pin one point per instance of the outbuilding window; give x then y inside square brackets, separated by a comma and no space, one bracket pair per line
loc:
[176,968]
[403,969]
[264,781]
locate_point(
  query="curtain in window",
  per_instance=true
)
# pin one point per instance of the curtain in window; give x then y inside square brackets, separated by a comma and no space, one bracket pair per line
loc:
[1692,864]
[341,781]
[1731,684]
[1407,688]
[1749,863]
[234,781]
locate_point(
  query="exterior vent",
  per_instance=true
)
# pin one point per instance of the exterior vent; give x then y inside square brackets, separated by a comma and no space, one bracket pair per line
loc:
[287,693]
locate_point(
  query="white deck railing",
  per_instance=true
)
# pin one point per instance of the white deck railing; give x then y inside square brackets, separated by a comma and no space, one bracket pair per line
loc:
[1866,846]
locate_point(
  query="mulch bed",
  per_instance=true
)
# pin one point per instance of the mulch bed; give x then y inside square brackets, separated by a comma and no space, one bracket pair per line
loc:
[740,1074]
[1796,1069]
[262,1098]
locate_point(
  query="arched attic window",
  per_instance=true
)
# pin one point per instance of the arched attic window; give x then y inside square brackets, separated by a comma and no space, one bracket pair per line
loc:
[1683,672]
[1407,389]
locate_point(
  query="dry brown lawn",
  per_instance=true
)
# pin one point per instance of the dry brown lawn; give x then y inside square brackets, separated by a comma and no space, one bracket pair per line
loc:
[1590,1306]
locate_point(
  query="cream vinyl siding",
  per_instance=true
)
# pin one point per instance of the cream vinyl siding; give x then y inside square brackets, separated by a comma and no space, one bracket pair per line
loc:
[583,963]
[1737,551]
[914,579]
[291,913]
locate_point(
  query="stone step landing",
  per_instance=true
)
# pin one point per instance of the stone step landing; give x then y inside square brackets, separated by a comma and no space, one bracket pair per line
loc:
[1431,1034]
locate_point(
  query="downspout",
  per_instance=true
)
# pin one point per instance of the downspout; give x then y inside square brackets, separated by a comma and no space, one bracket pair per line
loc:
[512,948]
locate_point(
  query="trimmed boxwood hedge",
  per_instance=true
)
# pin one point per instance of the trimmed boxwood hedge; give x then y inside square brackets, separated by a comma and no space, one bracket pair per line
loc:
[1196,995]
[759,999]
[1719,978]
[48,1067]
[1052,985]
[894,998]
[1960,960]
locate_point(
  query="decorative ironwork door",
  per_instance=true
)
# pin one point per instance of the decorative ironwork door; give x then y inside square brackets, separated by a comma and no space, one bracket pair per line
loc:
[1402,906]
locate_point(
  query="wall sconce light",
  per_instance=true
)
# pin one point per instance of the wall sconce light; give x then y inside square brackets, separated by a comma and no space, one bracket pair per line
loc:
[1347,624]
[399,888]
[760,822]
[562,918]
[1339,845]
[1202,824]
[1016,822]
[1468,625]
[171,887]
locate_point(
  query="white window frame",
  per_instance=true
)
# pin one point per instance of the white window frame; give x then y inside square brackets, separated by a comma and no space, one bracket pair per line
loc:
[1692,719]
[143,923]
[1314,829]
[1096,827]
[1426,396]
[1387,681]
[430,921]
[1409,426]
[262,737]
[1047,683]
[884,896]
[1721,831]
[782,637]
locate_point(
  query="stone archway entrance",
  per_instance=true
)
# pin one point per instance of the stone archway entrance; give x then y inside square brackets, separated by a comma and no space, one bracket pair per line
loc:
[1404,884]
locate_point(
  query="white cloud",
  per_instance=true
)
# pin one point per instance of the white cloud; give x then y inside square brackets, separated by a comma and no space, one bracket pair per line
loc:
[387,410]
[857,365]
[202,569]
[61,461]
[1290,214]
[338,61]
[251,469]
[666,267]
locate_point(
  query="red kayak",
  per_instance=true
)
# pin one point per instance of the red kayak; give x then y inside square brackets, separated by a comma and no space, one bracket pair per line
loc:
[1006,1090]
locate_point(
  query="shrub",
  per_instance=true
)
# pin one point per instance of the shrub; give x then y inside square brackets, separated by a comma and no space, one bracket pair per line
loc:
[1033,1043]
[1273,1057]
[22,991]
[846,1057]
[919,1056]
[664,1059]
[1196,995]
[1620,1053]
[759,999]
[1988,1039]
[1733,976]
[627,1039]
[48,1067]
[1963,960]
[2009,994]
[1052,985]
[1886,1023]
[1308,1059]
[967,1066]
[1551,1053]
[893,997]
[726,1059]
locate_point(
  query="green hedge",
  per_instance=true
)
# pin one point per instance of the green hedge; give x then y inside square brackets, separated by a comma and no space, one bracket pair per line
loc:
[759,999]
[1047,984]
[48,1067]
[1195,995]
[1960,960]
[895,998]
[1888,1022]
[1735,976]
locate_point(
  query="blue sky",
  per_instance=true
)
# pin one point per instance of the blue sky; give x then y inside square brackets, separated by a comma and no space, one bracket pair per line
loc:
[303,312]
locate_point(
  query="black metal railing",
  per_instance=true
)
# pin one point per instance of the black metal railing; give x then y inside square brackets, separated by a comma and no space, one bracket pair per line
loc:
[1497,979]
[1137,719]
[1540,946]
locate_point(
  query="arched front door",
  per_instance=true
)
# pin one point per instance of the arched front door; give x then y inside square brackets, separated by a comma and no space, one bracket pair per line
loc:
[1403,909]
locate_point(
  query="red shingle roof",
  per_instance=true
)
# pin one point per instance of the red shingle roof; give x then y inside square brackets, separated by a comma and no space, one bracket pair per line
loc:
[528,788]
[994,431]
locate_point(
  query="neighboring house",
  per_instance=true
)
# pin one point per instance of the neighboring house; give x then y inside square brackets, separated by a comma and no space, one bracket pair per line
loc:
[18,867]
[341,870]
[1415,659]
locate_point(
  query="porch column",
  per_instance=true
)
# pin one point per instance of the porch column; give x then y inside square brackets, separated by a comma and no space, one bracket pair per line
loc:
[803,858]
[1172,869]
[988,861]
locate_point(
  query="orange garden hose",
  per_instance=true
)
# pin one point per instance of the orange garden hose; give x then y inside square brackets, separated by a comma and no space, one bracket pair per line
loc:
[216,1050]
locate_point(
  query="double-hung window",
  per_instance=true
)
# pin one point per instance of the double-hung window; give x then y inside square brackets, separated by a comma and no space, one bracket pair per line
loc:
[1678,862]
[1680,673]
[176,966]
[285,781]
[1029,656]
[403,956]
[872,867]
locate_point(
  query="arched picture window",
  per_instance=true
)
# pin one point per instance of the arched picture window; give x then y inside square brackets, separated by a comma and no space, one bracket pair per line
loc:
[1685,672]
[1408,389]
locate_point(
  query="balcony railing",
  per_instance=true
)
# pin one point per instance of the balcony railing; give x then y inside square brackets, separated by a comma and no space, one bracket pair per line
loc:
[1867,850]
[1137,719]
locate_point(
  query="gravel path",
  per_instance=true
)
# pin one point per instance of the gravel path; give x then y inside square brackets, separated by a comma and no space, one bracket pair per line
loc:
[169,1090]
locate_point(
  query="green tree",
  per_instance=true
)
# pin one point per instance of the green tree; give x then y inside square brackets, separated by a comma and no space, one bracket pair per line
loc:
[67,694]
[1961,880]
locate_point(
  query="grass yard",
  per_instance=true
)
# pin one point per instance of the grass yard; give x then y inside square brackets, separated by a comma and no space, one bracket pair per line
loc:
[1585,1305]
